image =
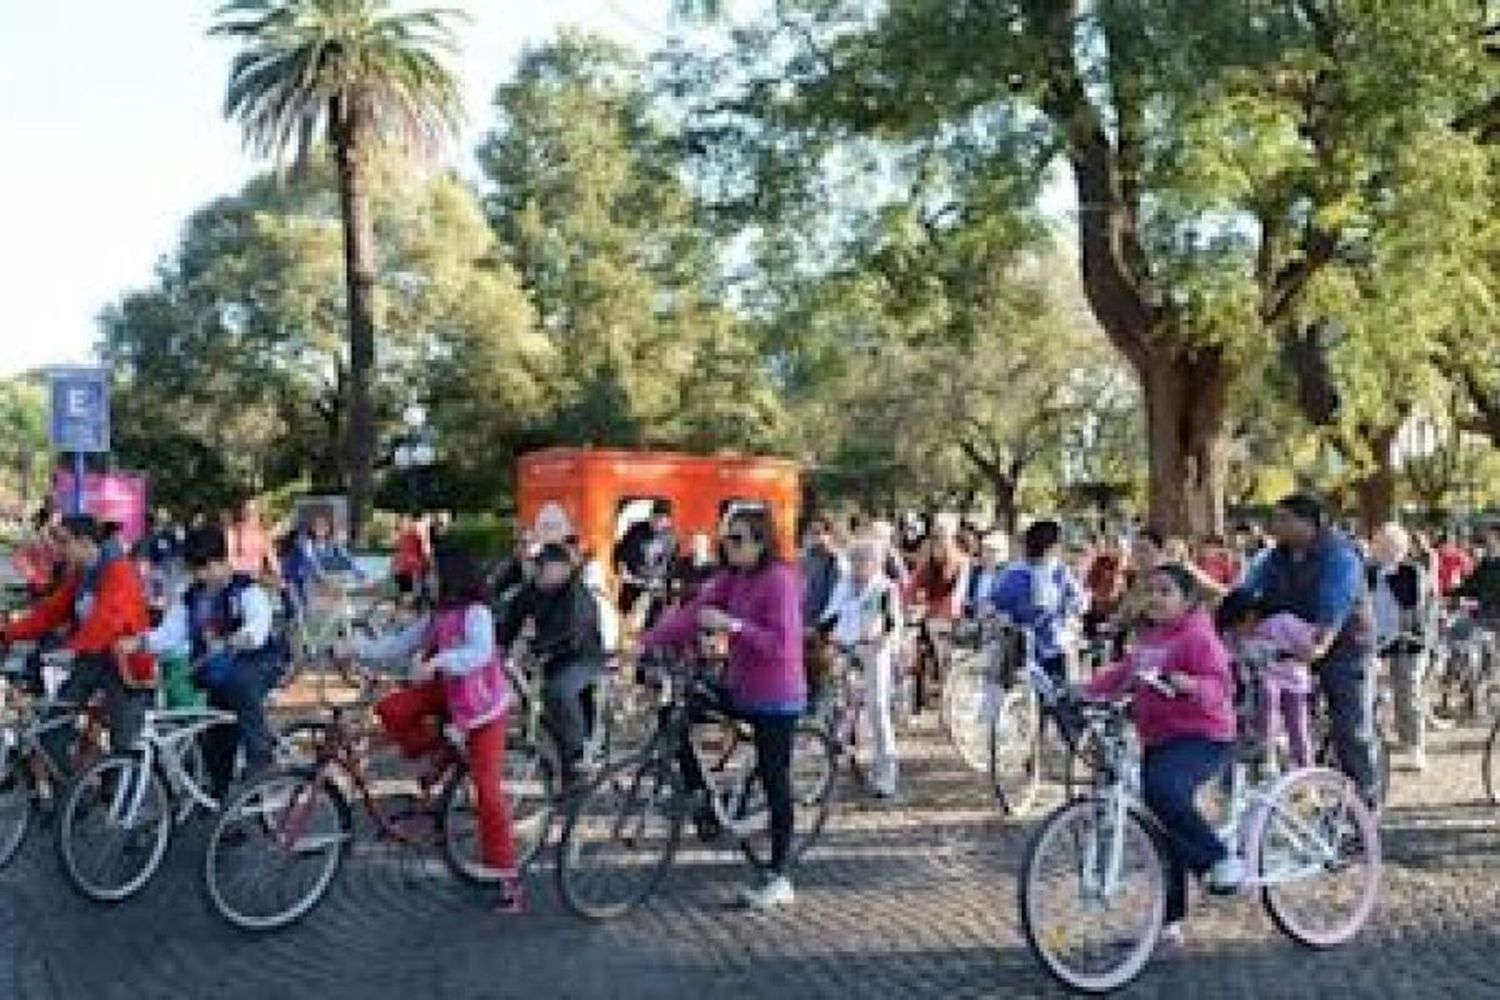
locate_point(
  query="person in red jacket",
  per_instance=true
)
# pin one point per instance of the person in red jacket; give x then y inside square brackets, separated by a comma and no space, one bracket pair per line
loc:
[99,603]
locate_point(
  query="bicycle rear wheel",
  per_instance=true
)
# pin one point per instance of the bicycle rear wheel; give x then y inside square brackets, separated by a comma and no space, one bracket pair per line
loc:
[620,837]
[1091,928]
[114,828]
[276,849]
[814,769]
[1319,850]
[16,799]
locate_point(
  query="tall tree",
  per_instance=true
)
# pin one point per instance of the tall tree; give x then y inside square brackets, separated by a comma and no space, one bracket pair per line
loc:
[356,75]
[1224,156]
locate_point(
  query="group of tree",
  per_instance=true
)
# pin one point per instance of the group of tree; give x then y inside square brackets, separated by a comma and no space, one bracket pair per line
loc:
[817,228]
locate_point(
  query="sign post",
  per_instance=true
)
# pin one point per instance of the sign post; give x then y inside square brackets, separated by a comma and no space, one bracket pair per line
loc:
[80,419]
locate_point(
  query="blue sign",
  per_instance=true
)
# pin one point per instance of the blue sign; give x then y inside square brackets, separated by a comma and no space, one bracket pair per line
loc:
[80,410]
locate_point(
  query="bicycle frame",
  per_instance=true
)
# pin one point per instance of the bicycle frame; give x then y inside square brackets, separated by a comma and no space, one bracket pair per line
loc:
[164,735]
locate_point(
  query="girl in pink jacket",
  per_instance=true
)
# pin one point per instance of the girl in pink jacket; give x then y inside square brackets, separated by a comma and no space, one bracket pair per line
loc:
[1274,652]
[1179,673]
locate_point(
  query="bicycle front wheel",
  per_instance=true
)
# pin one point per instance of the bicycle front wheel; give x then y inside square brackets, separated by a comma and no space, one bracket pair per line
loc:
[1491,765]
[620,838]
[1015,749]
[276,849]
[814,770]
[1092,895]
[16,801]
[1318,852]
[115,825]
[969,703]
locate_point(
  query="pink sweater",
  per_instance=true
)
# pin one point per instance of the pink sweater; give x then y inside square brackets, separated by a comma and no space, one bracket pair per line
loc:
[1189,647]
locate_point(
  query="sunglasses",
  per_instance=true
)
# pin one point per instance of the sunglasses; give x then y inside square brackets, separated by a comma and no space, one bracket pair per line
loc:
[739,538]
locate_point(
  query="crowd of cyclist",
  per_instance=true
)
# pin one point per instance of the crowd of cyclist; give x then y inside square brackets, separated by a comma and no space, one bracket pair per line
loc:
[1326,605]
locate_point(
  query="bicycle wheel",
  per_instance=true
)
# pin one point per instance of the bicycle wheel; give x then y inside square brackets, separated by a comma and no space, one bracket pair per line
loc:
[969,704]
[1318,849]
[620,838]
[1327,756]
[1015,749]
[530,790]
[114,828]
[276,849]
[16,800]
[1091,928]
[814,768]
[1490,765]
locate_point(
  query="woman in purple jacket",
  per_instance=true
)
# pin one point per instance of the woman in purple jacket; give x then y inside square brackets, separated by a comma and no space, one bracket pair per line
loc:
[757,603]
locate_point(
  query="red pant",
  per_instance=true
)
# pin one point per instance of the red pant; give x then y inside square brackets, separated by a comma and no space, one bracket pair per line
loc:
[412,717]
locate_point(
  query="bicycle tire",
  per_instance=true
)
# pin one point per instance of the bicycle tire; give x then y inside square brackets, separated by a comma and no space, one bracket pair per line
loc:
[1016,788]
[1490,765]
[820,755]
[1327,756]
[1040,935]
[82,794]
[17,803]
[1277,819]
[965,723]
[251,803]
[612,810]
[529,787]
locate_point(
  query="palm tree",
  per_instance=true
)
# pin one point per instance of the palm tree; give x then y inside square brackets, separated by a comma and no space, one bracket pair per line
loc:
[358,76]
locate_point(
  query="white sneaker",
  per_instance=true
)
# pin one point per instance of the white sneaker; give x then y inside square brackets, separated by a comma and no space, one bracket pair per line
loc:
[770,894]
[1414,761]
[1226,877]
[1173,941]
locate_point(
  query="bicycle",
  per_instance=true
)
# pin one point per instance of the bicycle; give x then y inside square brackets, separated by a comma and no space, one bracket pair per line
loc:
[1305,829]
[622,832]
[30,780]
[133,802]
[299,822]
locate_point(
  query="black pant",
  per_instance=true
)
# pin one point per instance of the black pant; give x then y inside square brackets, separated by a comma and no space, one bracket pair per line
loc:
[774,733]
[242,689]
[124,708]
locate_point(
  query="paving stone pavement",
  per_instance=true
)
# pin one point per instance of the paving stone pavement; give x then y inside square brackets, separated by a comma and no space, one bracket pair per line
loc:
[917,900]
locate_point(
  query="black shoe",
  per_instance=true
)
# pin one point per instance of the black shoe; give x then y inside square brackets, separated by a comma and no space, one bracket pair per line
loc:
[707,824]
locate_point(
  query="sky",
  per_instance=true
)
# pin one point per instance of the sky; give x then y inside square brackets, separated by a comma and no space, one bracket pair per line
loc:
[110,113]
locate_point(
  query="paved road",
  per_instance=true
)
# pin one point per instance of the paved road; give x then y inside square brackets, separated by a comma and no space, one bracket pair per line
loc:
[914,901]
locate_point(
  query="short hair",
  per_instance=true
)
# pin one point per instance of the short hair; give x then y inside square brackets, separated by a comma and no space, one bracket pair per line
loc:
[203,546]
[1183,579]
[1040,538]
[1304,507]
[84,527]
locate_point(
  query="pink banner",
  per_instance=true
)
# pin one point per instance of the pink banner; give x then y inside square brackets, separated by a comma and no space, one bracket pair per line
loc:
[113,496]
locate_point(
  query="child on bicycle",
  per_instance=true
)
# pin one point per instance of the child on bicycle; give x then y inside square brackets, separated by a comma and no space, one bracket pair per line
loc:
[1278,650]
[456,674]
[1179,673]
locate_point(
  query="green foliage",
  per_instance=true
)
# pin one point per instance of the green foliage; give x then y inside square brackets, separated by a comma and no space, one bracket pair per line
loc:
[24,462]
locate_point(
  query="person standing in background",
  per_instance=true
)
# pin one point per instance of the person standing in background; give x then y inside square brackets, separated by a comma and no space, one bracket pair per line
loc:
[251,550]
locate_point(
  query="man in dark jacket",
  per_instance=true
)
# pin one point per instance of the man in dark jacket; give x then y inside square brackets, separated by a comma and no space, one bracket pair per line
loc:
[822,567]
[565,640]
[1483,585]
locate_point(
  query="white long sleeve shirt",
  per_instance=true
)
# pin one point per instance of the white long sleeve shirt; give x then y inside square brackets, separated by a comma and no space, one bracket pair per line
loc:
[855,609]
[174,635]
[476,649]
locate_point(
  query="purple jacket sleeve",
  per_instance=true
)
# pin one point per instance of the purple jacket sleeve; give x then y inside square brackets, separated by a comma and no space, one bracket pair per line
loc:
[780,613]
[680,627]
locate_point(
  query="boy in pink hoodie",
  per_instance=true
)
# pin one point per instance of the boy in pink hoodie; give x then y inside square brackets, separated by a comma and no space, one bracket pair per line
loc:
[1184,713]
[1275,651]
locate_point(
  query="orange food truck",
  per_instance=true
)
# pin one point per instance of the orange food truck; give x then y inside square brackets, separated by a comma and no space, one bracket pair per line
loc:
[597,494]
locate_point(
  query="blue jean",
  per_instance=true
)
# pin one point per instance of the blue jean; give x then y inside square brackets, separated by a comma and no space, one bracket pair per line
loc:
[1171,775]
[1348,682]
[241,688]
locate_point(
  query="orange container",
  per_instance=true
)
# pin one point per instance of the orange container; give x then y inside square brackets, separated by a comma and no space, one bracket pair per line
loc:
[582,491]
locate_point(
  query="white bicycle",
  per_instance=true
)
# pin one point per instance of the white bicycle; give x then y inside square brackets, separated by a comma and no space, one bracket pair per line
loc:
[117,819]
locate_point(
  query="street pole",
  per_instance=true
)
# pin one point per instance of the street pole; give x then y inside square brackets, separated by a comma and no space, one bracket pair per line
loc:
[80,466]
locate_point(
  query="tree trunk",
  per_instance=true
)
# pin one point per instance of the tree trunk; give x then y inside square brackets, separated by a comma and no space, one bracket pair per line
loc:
[1006,515]
[1186,400]
[1376,492]
[359,278]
